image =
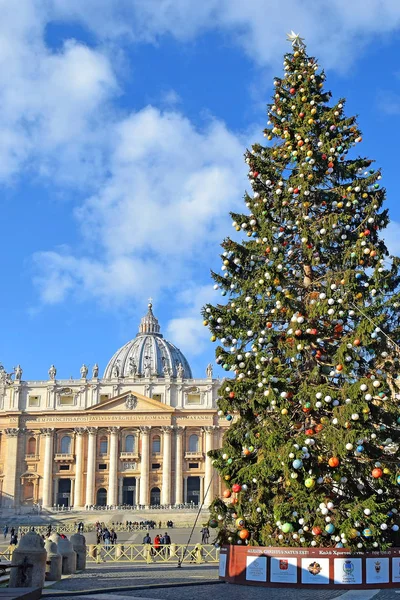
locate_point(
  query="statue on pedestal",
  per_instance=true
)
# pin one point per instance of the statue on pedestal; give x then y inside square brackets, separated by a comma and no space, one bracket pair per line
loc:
[18,373]
[180,370]
[84,371]
[209,371]
[52,372]
[95,371]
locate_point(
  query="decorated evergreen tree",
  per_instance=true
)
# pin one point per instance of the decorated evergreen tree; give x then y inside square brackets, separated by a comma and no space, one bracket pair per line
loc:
[308,328]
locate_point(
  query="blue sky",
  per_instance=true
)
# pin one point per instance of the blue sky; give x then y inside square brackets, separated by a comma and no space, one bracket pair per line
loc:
[122,131]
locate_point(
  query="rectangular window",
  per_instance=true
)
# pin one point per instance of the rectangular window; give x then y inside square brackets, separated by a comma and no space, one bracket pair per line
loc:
[102,467]
[193,399]
[64,467]
[157,397]
[193,465]
[155,466]
[66,400]
[34,401]
[104,397]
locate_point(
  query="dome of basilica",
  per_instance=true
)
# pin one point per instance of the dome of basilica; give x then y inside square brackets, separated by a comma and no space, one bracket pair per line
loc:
[148,354]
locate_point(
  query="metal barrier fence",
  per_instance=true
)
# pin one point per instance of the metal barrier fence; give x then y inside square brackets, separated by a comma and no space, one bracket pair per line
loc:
[7,553]
[146,553]
[73,527]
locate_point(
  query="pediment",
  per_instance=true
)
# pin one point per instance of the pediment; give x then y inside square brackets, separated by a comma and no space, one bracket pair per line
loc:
[131,402]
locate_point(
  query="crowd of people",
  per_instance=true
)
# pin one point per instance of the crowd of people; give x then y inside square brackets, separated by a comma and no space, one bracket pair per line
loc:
[161,544]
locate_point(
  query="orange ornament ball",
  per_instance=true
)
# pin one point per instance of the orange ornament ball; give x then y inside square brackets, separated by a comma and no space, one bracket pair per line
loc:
[316,530]
[356,342]
[269,325]
[377,472]
[339,367]
[244,534]
[227,494]
[333,462]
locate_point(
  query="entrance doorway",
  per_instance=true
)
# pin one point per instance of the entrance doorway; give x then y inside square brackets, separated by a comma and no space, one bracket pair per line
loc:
[193,490]
[129,491]
[101,497]
[64,492]
[154,496]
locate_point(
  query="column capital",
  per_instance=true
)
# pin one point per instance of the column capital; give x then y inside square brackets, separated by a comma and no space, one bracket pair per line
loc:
[47,431]
[79,430]
[179,429]
[92,430]
[209,429]
[114,430]
[12,431]
[145,429]
[167,429]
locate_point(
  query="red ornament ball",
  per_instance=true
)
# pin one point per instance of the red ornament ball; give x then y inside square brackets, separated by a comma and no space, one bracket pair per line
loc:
[236,487]
[316,530]
[377,472]
[292,90]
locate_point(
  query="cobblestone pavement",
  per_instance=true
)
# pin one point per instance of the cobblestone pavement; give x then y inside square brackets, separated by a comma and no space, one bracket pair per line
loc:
[107,577]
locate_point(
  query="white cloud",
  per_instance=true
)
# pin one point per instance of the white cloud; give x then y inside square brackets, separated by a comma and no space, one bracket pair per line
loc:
[187,330]
[159,215]
[51,102]
[335,30]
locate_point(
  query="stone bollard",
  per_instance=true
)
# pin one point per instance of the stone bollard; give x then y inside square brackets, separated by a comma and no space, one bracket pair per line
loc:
[78,542]
[68,555]
[53,562]
[173,549]
[28,562]
[119,550]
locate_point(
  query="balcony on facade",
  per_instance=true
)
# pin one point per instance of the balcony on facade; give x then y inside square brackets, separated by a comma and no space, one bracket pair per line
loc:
[31,457]
[65,457]
[197,455]
[129,455]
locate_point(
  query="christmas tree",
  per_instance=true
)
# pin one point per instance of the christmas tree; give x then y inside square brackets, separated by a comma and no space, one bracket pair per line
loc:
[308,328]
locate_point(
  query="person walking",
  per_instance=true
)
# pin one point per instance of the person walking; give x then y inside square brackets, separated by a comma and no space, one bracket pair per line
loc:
[157,544]
[167,544]
[5,531]
[205,535]
[106,538]
[147,539]
[113,537]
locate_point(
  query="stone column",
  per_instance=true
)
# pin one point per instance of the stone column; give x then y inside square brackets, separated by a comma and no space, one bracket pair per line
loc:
[166,471]
[91,466]
[47,467]
[10,486]
[120,490]
[179,465]
[144,465]
[137,497]
[201,489]
[112,497]
[185,485]
[208,496]
[77,497]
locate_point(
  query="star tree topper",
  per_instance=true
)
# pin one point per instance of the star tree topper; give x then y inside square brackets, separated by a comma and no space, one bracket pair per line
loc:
[297,41]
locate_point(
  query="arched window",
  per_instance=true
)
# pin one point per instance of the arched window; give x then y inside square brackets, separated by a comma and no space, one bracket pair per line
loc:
[156,444]
[129,443]
[65,445]
[103,445]
[31,446]
[194,443]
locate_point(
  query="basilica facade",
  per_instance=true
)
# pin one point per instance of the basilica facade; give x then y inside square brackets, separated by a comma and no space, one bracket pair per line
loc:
[138,435]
